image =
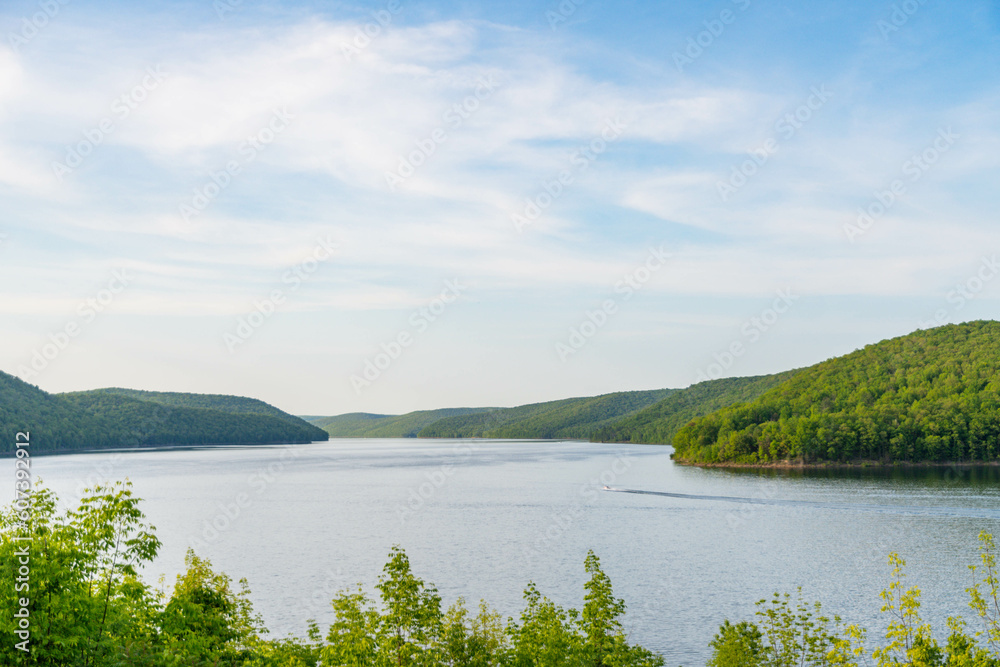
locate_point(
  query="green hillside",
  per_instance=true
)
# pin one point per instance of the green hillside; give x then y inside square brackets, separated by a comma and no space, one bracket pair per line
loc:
[54,423]
[365,425]
[219,402]
[658,423]
[349,421]
[933,395]
[109,418]
[567,418]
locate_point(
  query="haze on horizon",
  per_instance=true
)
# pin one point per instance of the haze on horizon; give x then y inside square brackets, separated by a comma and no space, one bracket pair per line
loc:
[509,202]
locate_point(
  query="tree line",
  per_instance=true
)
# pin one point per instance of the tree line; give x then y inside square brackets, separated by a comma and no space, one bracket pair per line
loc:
[792,633]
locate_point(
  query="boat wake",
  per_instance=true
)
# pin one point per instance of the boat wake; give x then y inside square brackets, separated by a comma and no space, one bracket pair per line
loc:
[971,512]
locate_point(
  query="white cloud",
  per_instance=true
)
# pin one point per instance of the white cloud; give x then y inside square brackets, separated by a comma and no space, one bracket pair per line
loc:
[355,119]
[10,76]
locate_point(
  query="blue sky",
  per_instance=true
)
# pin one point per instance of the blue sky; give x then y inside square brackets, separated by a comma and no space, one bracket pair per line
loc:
[485,203]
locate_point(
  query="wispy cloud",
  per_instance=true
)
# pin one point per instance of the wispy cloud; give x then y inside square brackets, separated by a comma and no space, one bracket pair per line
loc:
[485,115]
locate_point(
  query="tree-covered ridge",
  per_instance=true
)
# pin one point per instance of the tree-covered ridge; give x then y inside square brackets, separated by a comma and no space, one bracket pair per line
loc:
[118,418]
[658,423]
[148,423]
[930,396]
[220,402]
[349,420]
[567,418]
[53,421]
[366,425]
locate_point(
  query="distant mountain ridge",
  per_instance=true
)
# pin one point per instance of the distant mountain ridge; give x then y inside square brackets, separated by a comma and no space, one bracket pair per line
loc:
[570,418]
[658,423]
[650,417]
[930,396]
[366,425]
[114,418]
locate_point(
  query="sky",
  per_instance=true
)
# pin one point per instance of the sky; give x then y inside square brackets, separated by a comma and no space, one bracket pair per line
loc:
[390,206]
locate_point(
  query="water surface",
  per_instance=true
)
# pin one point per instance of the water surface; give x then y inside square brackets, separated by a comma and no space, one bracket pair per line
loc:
[482,518]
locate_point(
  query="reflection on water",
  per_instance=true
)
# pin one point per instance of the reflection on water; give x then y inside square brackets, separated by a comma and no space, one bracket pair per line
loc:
[931,476]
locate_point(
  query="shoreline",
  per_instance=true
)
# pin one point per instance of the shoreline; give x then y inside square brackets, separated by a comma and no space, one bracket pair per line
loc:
[147,448]
[854,465]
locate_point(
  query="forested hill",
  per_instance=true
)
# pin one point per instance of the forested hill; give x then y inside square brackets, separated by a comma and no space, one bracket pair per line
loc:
[933,395]
[658,423]
[109,418]
[220,402]
[630,416]
[567,418]
[366,425]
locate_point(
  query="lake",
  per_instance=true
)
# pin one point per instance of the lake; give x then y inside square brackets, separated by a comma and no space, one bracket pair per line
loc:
[481,518]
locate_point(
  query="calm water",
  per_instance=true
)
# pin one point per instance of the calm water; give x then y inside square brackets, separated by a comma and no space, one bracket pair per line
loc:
[481,518]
